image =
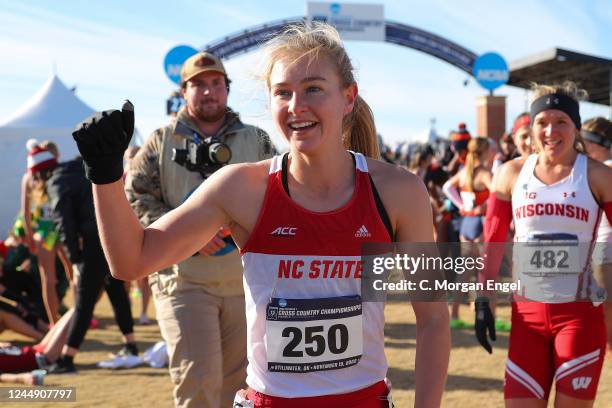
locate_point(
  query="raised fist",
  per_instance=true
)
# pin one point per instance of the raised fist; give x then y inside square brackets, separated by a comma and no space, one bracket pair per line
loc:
[102,139]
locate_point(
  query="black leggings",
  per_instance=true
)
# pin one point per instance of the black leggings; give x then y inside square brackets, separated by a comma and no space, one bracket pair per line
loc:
[94,275]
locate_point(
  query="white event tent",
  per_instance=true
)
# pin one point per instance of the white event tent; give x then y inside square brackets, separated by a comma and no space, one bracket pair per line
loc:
[50,114]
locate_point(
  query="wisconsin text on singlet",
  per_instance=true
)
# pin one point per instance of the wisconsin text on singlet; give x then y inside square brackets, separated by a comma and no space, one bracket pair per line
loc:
[557,209]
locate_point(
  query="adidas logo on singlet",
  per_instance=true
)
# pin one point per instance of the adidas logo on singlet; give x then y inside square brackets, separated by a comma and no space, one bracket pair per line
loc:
[363,232]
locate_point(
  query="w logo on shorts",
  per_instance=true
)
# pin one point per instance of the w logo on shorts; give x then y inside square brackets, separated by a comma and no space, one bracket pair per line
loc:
[581,382]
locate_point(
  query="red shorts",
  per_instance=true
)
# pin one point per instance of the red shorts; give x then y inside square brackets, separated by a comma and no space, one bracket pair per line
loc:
[563,342]
[374,396]
[17,359]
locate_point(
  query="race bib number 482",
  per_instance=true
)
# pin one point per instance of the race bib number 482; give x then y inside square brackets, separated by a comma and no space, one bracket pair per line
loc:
[306,335]
[549,255]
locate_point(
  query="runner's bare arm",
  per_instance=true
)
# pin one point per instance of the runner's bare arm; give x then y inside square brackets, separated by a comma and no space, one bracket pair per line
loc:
[505,177]
[414,224]
[487,179]
[134,252]
[599,181]
[498,219]
[26,183]
[451,189]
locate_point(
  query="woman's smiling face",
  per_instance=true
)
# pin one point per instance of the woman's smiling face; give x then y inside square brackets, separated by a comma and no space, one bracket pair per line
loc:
[554,132]
[308,102]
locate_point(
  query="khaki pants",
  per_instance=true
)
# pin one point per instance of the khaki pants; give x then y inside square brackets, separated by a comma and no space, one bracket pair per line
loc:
[206,340]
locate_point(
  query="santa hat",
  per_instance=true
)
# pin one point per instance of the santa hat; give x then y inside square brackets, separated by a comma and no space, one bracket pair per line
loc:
[39,158]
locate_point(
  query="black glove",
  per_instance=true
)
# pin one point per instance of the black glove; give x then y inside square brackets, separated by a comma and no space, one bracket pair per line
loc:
[102,140]
[484,321]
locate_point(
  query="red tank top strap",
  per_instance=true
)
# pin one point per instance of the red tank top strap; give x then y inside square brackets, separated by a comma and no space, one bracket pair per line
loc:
[355,222]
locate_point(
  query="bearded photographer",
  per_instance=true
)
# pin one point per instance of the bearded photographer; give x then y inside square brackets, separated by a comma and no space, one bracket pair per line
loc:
[200,301]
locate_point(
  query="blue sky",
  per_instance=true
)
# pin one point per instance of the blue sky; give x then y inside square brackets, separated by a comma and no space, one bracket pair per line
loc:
[112,50]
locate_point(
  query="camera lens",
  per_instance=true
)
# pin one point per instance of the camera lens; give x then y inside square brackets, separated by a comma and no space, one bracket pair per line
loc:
[219,153]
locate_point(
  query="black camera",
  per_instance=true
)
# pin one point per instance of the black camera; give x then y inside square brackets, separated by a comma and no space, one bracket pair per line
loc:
[204,156]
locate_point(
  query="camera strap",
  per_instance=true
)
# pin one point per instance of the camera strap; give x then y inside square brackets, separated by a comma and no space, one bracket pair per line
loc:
[196,138]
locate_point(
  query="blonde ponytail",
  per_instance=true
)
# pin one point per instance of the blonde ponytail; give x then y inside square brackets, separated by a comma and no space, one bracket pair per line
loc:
[359,130]
[477,147]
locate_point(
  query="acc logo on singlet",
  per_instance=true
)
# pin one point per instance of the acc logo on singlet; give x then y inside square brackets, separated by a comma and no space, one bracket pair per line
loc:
[284,231]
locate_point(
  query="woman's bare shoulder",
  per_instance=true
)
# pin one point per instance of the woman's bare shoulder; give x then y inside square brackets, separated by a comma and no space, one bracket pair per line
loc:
[388,175]
[599,180]
[395,184]
[512,167]
[241,180]
[599,169]
[505,177]
[26,179]
[240,173]
[239,186]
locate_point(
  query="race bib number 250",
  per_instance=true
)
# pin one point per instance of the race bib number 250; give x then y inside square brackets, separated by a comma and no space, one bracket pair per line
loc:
[306,335]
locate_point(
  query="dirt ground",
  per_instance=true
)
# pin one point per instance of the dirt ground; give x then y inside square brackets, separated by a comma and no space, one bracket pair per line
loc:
[475,379]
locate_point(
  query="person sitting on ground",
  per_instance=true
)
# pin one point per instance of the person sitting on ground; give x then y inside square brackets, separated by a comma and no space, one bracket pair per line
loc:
[14,359]
[36,377]
[13,322]
[18,305]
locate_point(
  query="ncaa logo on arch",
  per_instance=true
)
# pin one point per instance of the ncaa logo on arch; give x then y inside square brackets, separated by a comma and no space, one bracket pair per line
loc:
[334,8]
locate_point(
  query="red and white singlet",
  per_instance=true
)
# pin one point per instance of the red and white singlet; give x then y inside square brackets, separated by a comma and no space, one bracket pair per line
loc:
[554,337]
[309,334]
[556,227]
